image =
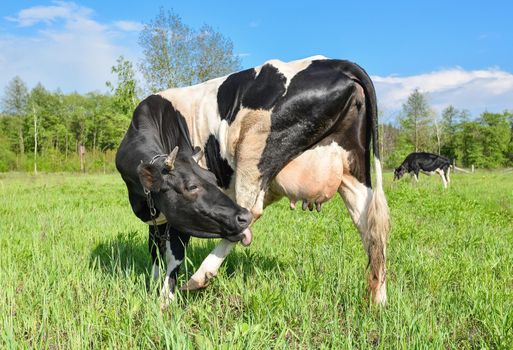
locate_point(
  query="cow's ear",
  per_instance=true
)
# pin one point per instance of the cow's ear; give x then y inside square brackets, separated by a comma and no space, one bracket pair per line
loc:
[198,154]
[150,177]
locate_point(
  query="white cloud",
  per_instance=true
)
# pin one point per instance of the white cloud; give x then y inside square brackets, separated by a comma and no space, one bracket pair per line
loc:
[129,26]
[254,24]
[477,90]
[48,14]
[69,50]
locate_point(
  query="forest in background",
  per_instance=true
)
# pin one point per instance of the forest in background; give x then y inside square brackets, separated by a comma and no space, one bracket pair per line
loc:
[50,131]
[485,141]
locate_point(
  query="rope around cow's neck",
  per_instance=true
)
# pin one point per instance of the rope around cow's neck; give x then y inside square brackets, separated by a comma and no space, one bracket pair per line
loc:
[151,204]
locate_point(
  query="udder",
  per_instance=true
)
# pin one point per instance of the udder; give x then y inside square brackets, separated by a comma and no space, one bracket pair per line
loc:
[312,178]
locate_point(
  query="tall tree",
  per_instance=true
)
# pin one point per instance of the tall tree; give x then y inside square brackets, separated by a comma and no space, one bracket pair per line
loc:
[495,138]
[80,121]
[471,143]
[176,55]
[214,56]
[49,107]
[14,103]
[438,133]
[389,136]
[452,120]
[125,92]
[42,111]
[116,115]
[415,119]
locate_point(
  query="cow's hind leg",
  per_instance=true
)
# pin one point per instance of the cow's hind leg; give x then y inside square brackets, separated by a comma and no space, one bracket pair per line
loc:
[371,219]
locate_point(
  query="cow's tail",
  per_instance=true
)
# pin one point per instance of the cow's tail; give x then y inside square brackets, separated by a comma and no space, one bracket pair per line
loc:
[377,212]
[378,218]
[377,223]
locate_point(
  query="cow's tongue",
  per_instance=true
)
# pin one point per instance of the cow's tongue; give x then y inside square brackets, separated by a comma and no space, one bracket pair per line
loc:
[248,237]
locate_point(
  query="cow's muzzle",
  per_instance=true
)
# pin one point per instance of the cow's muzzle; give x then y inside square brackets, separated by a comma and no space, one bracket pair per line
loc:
[242,222]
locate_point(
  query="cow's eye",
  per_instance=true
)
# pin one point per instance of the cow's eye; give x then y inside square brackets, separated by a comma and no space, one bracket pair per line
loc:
[192,188]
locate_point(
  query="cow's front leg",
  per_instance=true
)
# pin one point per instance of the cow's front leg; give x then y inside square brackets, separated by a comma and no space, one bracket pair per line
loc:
[174,252]
[245,141]
[209,266]
[213,261]
[442,176]
[154,248]
[253,200]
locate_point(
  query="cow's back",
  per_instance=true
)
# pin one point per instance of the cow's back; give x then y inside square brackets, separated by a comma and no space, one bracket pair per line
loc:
[273,113]
[294,114]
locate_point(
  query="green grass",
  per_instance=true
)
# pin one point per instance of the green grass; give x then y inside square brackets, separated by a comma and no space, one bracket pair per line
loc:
[74,272]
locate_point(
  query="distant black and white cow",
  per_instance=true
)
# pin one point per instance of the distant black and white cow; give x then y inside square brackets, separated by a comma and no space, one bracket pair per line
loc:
[426,163]
[300,129]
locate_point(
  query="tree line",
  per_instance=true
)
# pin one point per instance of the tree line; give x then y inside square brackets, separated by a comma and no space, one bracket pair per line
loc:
[485,141]
[42,130]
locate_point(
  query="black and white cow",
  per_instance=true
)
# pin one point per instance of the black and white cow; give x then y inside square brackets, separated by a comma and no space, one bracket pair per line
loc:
[426,163]
[156,162]
[299,129]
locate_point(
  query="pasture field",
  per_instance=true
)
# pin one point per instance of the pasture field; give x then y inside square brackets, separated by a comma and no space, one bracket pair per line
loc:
[74,272]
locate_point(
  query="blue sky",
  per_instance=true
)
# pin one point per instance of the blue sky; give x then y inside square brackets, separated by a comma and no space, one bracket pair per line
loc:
[458,52]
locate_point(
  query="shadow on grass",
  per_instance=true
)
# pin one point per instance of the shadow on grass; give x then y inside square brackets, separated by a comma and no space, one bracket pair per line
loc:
[128,253]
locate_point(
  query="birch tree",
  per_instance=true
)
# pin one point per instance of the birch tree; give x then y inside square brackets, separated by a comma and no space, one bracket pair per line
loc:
[177,55]
[14,103]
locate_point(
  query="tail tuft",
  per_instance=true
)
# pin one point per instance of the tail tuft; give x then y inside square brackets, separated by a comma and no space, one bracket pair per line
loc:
[378,225]
[378,215]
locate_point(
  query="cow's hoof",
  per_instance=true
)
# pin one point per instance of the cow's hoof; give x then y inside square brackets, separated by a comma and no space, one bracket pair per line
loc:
[164,305]
[194,285]
[379,295]
[165,302]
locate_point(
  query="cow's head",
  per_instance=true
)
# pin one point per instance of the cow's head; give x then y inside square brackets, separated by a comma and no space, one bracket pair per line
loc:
[190,200]
[399,172]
